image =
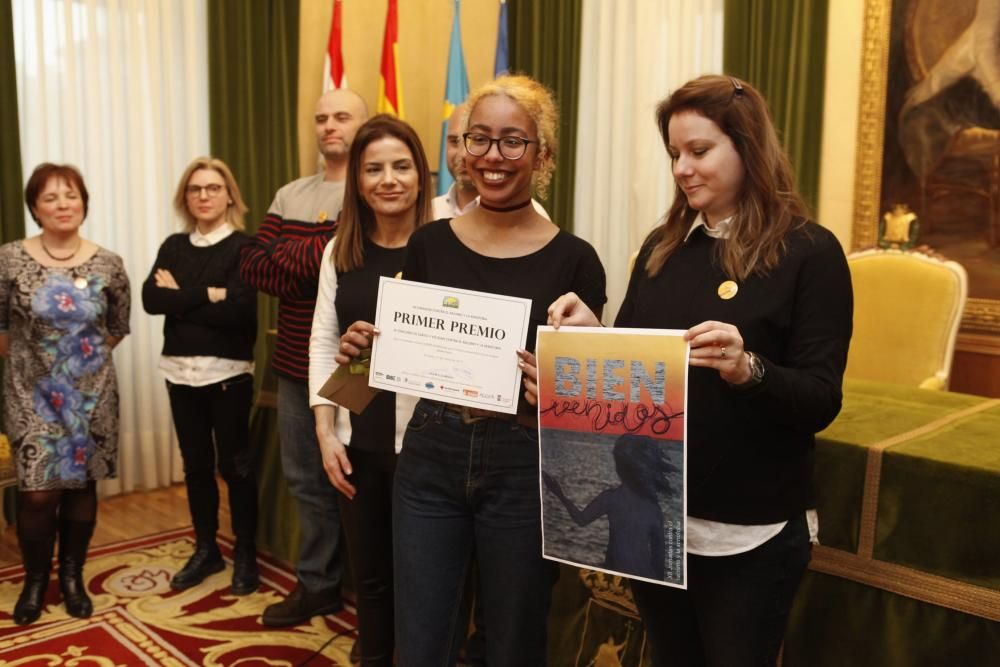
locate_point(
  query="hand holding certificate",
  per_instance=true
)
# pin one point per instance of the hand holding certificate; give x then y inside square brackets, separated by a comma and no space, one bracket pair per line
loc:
[449,344]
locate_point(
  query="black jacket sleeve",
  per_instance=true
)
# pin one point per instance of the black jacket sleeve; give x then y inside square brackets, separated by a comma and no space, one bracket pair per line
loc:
[804,391]
[166,301]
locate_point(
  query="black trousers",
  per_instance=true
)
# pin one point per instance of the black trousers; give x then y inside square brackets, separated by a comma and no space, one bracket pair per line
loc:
[367,521]
[212,424]
[734,611]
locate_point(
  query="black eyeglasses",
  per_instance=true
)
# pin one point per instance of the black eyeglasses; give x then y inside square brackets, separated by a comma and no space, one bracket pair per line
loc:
[511,148]
[213,190]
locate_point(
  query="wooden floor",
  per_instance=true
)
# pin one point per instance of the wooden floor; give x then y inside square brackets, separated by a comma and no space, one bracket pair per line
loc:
[131,515]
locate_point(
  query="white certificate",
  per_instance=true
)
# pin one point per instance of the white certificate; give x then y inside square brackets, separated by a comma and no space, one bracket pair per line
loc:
[449,344]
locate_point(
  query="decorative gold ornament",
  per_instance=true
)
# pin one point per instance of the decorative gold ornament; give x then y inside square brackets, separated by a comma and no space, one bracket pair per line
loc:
[898,228]
[727,290]
[610,591]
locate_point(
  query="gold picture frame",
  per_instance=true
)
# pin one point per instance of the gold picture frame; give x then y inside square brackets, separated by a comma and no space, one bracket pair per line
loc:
[981,315]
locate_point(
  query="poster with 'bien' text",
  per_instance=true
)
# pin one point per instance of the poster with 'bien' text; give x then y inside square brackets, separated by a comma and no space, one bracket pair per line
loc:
[611,408]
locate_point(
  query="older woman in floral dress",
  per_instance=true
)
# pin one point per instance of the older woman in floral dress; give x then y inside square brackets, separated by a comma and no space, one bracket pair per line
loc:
[64,305]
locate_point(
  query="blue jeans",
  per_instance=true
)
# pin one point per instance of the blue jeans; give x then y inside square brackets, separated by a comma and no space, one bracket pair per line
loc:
[462,489]
[319,568]
[734,609]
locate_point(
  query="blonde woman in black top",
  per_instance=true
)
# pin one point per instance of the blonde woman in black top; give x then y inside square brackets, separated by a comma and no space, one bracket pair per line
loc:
[208,339]
[466,483]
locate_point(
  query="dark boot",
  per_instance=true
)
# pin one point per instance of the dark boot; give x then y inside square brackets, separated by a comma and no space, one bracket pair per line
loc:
[299,607]
[74,538]
[205,561]
[37,557]
[245,577]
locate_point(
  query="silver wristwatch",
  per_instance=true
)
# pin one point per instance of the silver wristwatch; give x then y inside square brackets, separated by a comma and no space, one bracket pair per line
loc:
[756,372]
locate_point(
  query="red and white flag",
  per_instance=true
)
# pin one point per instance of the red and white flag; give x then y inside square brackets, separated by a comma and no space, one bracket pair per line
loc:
[333,68]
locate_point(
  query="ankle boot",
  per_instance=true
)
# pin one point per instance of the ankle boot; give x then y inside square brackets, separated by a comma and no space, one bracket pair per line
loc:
[74,538]
[37,557]
[245,576]
[206,560]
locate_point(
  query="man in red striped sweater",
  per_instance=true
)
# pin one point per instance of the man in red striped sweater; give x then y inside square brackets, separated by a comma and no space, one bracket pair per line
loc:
[284,262]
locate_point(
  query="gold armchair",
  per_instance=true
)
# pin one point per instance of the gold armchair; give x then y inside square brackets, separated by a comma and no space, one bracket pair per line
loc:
[907,310]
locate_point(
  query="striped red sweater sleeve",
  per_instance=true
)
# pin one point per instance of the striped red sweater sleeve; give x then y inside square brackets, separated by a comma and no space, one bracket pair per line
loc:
[298,253]
[258,269]
[284,261]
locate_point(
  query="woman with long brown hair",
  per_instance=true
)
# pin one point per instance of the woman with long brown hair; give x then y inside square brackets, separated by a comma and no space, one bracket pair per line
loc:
[386,198]
[765,297]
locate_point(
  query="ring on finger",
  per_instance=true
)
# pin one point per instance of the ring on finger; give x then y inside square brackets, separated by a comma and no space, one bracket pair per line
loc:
[722,352]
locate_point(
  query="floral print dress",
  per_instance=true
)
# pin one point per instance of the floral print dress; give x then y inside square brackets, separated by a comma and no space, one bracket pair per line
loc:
[60,389]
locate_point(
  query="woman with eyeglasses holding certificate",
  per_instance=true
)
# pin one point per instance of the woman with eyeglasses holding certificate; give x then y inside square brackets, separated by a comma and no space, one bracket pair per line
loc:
[208,339]
[467,479]
[765,297]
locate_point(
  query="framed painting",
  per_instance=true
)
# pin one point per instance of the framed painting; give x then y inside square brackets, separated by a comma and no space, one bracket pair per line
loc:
[929,135]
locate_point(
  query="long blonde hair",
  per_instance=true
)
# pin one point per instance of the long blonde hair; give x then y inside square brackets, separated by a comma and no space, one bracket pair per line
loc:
[768,207]
[235,212]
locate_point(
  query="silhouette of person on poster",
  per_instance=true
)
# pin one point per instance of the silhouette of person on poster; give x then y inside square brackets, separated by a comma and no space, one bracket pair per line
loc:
[635,520]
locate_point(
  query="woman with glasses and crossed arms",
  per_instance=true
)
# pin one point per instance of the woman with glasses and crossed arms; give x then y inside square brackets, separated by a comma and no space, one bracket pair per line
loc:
[208,338]
[765,297]
[467,479]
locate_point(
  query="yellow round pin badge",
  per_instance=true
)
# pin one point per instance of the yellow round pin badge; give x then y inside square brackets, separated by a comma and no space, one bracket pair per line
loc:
[321,217]
[728,290]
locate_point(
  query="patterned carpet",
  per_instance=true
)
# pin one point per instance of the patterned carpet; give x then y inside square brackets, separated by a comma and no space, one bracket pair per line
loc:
[139,620]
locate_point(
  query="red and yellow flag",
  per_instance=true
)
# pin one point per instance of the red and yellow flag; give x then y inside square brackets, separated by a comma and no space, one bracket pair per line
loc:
[390,92]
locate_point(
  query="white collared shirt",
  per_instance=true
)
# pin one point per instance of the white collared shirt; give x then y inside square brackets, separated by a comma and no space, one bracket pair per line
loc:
[720,231]
[218,234]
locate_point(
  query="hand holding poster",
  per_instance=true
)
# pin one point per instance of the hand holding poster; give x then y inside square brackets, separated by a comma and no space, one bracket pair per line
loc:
[611,405]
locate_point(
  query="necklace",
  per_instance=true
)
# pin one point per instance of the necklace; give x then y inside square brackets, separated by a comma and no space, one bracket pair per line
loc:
[504,209]
[79,244]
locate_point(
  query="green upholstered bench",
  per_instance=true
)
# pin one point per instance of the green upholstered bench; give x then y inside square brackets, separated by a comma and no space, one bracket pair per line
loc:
[908,495]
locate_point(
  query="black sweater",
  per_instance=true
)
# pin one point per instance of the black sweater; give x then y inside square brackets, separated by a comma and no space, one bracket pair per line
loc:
[750,453]
[195,326]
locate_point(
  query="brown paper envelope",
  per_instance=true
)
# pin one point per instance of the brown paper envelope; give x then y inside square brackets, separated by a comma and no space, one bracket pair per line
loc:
[351,391]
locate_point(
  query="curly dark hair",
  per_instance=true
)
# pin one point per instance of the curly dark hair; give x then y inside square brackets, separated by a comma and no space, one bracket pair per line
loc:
[642,465]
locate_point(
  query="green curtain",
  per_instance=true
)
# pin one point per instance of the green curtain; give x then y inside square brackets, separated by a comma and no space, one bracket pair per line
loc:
[11,207]
[544,42]
[779,46]
[253,86]
[253,60]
